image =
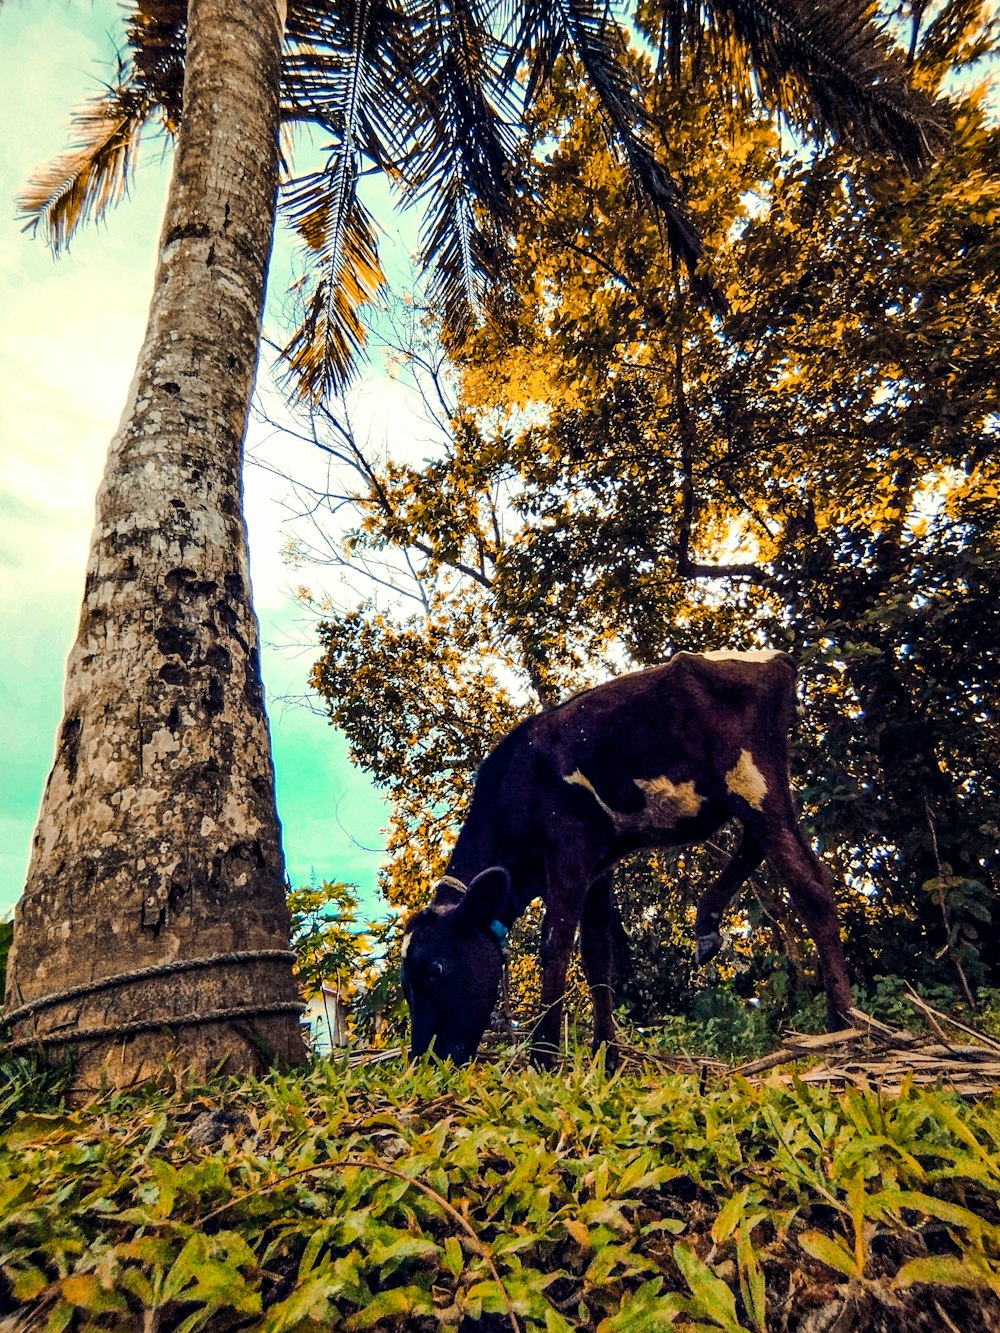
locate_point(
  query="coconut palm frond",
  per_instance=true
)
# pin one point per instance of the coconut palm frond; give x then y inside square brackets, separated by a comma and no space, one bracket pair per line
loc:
[462,161]
[586,28]
[157,39]
[337,66]
[465,119]
[323,355]
[348,67]
[455,236]
[321,206]
[831,70]
[332,75]
[600,48]
[318,206]
[469,260]
[94,174]
[536,39]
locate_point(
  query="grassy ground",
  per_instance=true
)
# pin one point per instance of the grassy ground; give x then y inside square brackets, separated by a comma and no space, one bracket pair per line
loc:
[498,1198]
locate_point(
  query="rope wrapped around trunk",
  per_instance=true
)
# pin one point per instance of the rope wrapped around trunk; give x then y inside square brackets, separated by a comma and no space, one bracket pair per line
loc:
[150,1024]
[143,974]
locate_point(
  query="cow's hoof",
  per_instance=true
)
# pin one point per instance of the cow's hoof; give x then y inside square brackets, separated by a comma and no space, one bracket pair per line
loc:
[607,1053]
[544,1055]
[708,947]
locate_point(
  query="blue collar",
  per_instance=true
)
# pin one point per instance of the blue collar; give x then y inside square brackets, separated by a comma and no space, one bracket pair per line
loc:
[501,931]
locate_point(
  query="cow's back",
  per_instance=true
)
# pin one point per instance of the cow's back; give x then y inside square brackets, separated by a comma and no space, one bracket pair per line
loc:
[749,695]
[690,710]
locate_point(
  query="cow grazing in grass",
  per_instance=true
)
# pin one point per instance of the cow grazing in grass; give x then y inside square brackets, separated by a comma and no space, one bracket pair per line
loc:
[659,758]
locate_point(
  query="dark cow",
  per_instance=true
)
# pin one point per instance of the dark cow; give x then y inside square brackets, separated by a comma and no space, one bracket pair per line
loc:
[659,758]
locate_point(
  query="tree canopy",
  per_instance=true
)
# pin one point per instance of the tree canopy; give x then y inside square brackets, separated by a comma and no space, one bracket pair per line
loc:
[434,98]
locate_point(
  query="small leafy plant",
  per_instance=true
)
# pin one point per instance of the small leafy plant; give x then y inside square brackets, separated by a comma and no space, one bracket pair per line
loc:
[418,1197]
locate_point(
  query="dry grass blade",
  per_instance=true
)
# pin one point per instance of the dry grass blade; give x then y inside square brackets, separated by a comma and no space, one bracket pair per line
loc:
[872,1052]
[937,1017]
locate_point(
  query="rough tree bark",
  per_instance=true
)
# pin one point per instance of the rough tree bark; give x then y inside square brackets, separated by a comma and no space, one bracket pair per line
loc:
[158,839]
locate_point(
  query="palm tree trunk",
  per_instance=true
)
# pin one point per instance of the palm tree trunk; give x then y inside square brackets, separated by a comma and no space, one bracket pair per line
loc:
[158,840]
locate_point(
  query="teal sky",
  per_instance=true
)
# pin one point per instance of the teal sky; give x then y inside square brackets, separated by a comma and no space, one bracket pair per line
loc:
[69,334]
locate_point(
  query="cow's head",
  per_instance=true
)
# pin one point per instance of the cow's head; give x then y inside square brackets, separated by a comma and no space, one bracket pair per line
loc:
[452,964]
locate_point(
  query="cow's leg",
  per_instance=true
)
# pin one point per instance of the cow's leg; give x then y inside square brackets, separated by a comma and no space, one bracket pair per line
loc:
[567,878]
[598,923]
[810,887]
[558,934]
[717,897]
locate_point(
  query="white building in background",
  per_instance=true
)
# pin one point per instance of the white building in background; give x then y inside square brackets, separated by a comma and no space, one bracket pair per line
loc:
[325,1018]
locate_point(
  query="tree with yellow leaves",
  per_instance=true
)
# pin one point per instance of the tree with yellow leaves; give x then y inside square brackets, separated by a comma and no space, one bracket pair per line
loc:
[628,474]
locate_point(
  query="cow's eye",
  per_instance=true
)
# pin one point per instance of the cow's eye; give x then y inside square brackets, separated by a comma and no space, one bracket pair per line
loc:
[435,970]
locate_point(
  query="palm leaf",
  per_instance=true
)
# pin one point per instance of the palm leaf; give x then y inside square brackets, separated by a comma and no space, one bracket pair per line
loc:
[350,63]
[468,256]
[600,49]
[344,271]
[94,174]
[827,66]
[157,41]
[462,163]
[323,354]
[545,31]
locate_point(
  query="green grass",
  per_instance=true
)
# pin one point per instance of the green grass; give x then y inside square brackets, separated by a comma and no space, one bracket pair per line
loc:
[493,1198]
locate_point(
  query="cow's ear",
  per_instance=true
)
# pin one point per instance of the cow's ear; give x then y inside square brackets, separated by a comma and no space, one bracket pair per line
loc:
[485,899]
[448,892]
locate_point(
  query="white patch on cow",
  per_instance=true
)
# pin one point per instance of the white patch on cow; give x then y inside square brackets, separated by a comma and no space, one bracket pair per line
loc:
[578,780]
[745,779]
[666,803]
[406,943]
[744,655]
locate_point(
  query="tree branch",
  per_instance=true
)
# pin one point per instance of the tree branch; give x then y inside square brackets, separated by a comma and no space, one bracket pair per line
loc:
[686,567]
